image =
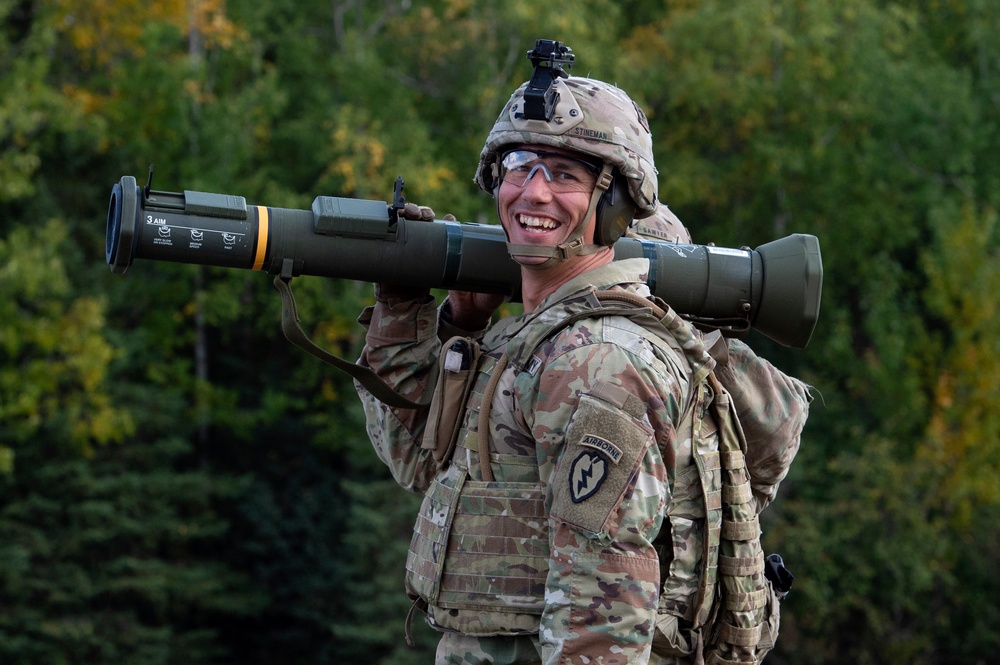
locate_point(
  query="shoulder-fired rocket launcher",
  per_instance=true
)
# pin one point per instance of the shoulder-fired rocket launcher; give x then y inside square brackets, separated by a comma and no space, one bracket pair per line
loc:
[774,288]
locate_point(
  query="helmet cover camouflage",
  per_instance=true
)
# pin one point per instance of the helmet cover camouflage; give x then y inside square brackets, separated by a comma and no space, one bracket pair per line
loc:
[662,225]
[591,117]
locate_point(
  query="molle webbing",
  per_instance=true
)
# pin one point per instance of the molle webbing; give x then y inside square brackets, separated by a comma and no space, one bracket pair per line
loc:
[707,459]
[480,550]
[742,621]
[499,549]
[480,555]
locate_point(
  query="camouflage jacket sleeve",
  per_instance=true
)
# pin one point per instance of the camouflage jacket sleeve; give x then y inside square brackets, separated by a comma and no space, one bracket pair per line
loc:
[401,346]
[603,419]
[772,408]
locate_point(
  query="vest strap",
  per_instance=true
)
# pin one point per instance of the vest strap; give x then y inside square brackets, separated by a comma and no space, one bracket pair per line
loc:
[734,460]
[741,530]
[735,494]
[744,637]
[746,602]
[484,418]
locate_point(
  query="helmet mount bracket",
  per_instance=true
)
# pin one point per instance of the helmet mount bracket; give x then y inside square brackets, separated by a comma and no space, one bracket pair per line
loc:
[548,57]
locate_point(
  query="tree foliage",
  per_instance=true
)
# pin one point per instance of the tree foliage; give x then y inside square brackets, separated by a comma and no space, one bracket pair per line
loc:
[178,484]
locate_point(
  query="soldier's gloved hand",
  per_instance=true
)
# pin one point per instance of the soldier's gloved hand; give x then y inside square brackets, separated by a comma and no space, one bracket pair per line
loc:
[399,292]
[419,213]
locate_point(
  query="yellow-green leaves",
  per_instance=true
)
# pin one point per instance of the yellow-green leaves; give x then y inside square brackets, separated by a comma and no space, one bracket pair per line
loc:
[54,354]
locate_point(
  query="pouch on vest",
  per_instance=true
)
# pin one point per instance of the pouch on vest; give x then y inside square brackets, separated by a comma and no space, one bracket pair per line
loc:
[480,555]
[457,369]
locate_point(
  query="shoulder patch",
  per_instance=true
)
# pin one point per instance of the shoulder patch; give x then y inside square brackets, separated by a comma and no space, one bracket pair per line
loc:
[586,475]
[605,446]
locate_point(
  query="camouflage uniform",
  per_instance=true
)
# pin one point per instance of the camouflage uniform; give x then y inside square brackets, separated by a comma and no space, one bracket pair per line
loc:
[602,585]
[601,588]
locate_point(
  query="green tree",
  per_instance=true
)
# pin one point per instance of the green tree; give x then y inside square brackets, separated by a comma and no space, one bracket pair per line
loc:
[54,352]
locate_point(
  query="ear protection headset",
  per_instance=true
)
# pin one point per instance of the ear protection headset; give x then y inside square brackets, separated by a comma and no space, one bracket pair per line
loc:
[615,212]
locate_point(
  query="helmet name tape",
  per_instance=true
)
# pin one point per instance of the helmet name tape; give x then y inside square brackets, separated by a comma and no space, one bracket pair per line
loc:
[591,133]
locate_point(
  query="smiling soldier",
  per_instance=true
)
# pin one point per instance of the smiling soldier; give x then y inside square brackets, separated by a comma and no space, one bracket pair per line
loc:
[571,507]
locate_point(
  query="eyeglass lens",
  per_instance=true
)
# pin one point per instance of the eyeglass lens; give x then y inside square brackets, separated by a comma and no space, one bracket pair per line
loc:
[562,172]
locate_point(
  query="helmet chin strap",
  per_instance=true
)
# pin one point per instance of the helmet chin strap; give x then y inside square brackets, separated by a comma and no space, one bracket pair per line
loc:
[574,244]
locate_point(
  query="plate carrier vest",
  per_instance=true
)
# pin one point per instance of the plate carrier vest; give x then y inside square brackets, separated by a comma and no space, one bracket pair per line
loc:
[478,559]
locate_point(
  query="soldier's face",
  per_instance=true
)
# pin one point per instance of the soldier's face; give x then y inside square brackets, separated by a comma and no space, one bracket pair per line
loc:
[538,211]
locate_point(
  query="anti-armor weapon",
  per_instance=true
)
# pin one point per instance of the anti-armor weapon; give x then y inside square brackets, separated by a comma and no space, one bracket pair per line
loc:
[774,289]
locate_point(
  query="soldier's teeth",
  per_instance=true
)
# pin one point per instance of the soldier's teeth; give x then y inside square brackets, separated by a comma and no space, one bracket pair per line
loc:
[537,222]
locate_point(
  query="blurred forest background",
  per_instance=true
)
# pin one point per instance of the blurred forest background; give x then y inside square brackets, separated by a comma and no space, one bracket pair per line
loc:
[178,484]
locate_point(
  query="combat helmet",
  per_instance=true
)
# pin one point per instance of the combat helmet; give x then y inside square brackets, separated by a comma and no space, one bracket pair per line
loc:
[662,225]
[585,116]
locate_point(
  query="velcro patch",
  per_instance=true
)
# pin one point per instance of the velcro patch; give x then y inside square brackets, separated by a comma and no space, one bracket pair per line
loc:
[586,475]
[605,446]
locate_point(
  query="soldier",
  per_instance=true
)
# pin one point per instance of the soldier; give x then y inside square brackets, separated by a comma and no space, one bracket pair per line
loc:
[568,495]
[662,225]
[772,406]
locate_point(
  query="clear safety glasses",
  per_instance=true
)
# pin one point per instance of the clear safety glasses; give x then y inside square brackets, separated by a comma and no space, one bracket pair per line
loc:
[563,172]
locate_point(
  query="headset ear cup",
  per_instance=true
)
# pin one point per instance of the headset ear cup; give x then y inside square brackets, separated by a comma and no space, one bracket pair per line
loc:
[615,212]
[491,176]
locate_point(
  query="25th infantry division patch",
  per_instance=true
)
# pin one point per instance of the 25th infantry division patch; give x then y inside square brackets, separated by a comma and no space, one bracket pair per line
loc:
[588,471]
